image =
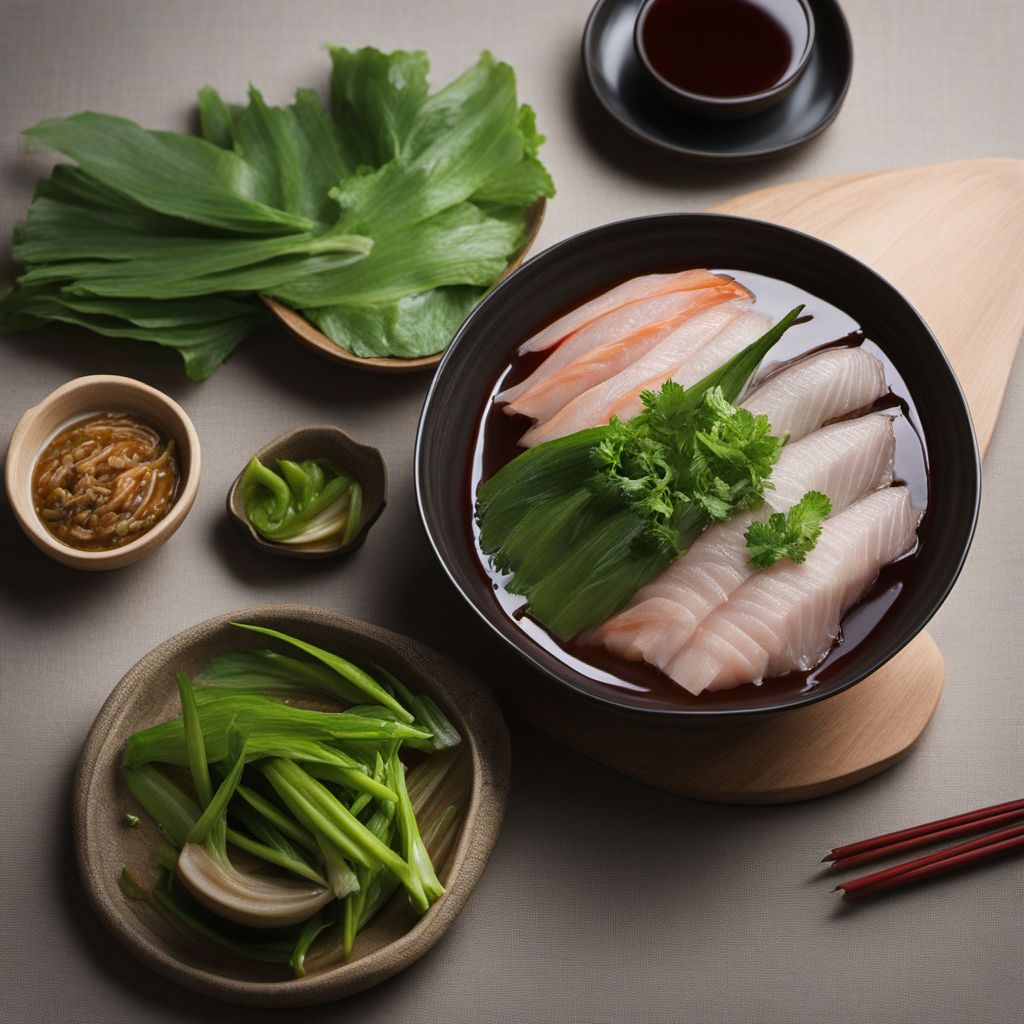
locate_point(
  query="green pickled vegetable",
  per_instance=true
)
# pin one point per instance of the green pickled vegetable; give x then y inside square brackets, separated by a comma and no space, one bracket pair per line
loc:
[306,502]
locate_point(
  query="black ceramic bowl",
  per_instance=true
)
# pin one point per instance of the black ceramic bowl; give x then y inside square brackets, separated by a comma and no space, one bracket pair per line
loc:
[595,260]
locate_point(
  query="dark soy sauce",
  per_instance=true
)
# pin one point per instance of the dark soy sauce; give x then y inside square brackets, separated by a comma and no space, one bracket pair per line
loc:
[821,326]
[725,48]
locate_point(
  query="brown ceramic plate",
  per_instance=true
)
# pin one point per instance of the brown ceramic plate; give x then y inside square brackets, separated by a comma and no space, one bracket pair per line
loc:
[310,336]
[364,462]
[395,938]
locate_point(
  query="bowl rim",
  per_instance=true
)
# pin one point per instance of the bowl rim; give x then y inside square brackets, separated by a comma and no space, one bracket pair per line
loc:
[723,103]
[487,745]
[21,500]
[685,713]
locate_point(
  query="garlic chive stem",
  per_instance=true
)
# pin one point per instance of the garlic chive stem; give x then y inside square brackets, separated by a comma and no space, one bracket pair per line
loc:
[353,673]
[292,829]
[194,740]
[314,819]
[272,856]
[217,807]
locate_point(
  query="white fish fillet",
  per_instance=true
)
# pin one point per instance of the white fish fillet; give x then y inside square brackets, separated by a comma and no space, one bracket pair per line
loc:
[606,346]
[787,617]
[828,384]
[729,327]
[628,291]
[845,461]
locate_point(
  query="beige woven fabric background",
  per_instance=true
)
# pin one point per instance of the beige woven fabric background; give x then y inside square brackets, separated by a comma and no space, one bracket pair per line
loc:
[604,901]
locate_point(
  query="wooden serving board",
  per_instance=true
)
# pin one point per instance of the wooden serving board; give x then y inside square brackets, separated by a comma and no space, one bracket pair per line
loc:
[951,238]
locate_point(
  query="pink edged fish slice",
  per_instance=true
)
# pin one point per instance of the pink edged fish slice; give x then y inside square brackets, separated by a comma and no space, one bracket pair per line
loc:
[845,461]
[594,406]
[787,618]
[608,345]
[722,347]
[629,291]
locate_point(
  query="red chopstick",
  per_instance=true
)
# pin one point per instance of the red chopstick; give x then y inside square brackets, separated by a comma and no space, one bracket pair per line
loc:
[966,829]
[928,829]
[950,859]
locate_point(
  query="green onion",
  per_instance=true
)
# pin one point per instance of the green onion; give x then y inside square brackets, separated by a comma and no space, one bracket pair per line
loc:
[292,829]
[218,804]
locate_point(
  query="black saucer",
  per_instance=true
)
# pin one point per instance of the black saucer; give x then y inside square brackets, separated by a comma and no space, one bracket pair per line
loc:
[620,84]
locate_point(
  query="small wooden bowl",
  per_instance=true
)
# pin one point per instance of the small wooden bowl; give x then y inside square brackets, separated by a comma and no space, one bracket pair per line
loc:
[477,785]
[75,400]
[324,441]
[316,340]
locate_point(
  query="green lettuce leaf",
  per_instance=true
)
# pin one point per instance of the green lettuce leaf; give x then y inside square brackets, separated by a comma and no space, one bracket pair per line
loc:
[174,174]
[204,331]
[408,328]
[375,100]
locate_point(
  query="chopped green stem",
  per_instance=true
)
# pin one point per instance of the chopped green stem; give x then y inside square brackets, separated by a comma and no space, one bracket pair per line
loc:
[343,879]
[271,672]
[314,799]
[193,733]
[351,778]
[311,815]
[291,828]
[272,856]
[257,717]
[355,675]
[412,842]
[311,930]
[218,805]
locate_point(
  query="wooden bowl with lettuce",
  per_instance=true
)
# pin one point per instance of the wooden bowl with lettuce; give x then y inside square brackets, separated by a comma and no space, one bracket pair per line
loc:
[283,806]
[370,227]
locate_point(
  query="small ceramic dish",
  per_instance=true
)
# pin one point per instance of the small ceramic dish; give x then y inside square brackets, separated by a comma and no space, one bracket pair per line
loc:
[798,19]
[364,462]
[75,400]
[315,340]
[630,96]
[477,786]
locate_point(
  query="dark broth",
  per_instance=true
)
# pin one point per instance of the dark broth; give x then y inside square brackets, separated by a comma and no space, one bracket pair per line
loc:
[725,48]
[822,325]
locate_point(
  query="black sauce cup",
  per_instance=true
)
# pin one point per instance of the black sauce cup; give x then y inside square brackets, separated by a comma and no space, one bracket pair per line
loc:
[721,107]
